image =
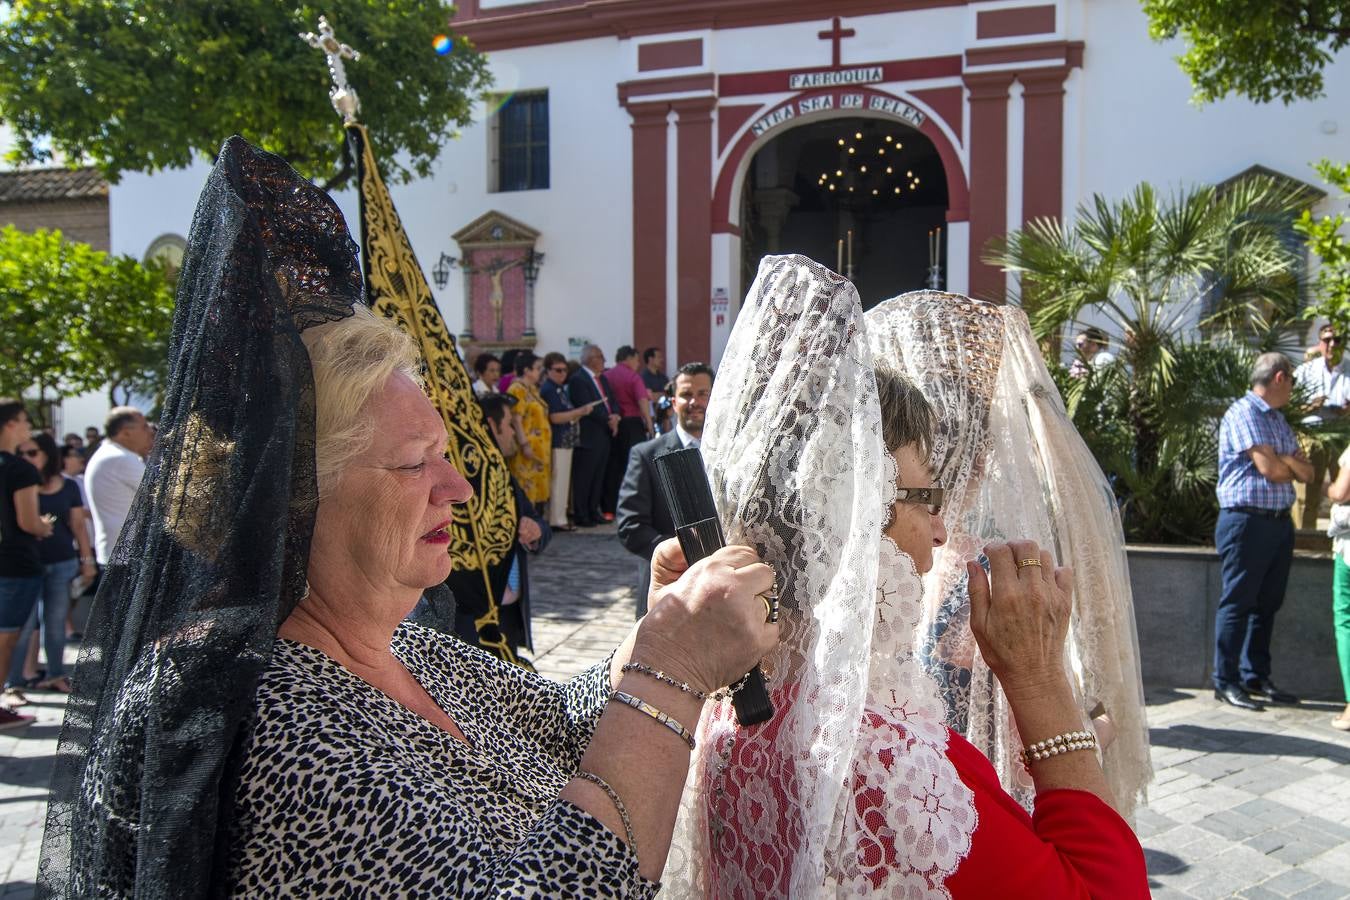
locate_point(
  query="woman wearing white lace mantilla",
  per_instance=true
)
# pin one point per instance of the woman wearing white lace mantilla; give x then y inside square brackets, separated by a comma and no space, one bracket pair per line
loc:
[856,786]
[1014,466]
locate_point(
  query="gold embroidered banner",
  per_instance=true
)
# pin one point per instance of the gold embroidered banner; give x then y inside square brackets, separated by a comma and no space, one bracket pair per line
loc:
[483,533]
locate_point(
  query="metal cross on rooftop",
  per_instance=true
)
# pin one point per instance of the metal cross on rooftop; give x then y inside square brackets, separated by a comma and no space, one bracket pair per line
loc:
[342,94]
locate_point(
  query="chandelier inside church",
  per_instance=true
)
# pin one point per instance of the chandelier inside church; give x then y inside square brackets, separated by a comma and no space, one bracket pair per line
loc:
[869,165]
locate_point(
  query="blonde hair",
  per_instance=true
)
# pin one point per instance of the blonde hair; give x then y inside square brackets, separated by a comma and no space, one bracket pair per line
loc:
[352,359]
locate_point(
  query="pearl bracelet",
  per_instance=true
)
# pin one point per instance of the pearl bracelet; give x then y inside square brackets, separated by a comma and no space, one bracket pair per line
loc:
[1060,743]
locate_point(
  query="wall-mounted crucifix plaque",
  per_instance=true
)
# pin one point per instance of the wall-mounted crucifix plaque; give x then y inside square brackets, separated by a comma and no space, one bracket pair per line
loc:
[500,266]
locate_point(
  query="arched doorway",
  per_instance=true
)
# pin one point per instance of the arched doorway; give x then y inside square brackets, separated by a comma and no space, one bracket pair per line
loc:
[813,184]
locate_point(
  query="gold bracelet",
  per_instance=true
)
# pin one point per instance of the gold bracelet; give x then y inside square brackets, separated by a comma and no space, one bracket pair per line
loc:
[618,804]
[1060,743]
[647,709]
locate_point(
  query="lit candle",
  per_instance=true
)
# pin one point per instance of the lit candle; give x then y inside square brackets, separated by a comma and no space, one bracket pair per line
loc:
[839,258]
[850,250]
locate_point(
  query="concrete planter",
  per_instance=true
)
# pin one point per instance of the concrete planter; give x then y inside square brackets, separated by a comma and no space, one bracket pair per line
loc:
[1176,591]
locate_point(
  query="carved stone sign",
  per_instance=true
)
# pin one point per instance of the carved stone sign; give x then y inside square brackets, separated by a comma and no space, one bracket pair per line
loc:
[803,81]
[838,99]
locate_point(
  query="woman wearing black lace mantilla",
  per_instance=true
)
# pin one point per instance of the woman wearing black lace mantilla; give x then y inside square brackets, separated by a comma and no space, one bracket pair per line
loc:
[251,716]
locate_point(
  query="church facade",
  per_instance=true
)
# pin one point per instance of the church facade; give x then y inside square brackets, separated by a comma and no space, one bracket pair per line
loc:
[639,156]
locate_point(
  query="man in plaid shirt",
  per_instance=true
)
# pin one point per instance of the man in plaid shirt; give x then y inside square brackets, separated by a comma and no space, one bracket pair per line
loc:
[1259,460]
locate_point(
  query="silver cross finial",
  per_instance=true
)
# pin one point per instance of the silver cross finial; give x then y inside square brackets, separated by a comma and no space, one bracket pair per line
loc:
[342,94]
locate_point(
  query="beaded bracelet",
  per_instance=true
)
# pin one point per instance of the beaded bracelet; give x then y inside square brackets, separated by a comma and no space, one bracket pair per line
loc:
[618,804]
[662,677]
[1060,743]
[647,709]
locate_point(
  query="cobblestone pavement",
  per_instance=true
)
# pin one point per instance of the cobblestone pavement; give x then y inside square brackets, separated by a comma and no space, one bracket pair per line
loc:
[1244,805]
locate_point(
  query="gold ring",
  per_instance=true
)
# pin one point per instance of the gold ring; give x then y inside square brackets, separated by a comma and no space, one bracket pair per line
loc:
[1023,563]
[770,606]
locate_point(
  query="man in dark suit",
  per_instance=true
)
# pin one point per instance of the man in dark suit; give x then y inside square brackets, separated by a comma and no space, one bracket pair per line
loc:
[644,520]
[598,428]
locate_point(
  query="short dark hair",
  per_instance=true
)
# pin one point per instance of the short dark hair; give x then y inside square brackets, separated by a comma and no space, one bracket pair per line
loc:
[509,359]
[1096,335]
[120,417]
[624,353]
[907,418]
[552,358]
[495,406]
[9,410]
[1325,328]
[690,369]
[482,361]
[525,359]
[649,354]
[47,444]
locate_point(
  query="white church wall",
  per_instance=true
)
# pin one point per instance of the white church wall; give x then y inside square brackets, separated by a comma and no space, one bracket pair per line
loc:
[585,215]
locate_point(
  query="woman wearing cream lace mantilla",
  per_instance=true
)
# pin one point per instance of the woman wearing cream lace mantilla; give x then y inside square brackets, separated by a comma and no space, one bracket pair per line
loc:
[1014,466]
[856,786]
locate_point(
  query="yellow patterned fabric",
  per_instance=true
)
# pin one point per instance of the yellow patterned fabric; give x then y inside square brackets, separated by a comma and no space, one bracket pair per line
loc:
[532,474]
[483,532]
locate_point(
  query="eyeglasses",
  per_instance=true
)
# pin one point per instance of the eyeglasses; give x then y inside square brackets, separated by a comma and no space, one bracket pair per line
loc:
[31,454]
[1331,339]
[558,369]
[930,497]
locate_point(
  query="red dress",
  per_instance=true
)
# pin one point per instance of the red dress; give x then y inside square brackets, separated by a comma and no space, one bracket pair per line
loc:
[1074,846]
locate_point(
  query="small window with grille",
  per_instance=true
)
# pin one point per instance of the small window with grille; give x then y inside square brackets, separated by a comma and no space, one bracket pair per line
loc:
[520,142]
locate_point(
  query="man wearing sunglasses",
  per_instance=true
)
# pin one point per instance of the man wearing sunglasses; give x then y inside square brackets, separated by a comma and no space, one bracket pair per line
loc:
[1326,380]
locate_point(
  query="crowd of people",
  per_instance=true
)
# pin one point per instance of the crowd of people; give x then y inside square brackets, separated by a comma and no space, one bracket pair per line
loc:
[576,422]
[60,514]
[954,713]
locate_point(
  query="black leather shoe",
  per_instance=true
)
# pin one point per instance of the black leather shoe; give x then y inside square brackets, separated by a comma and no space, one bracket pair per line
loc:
[1236,696]
[1266,688]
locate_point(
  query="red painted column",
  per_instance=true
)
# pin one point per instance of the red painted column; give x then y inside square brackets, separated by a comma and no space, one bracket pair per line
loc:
[693,217]
[1043,142]
[988,176]
[649,223]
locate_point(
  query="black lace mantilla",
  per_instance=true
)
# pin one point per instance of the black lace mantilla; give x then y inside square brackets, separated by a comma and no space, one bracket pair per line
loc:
[213,555]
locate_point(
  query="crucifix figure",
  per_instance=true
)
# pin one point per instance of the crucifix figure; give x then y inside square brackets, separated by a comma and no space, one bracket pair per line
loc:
[494,271]
[835,35]
[342,94]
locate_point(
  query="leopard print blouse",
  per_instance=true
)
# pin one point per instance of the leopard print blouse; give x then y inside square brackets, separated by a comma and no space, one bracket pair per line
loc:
[344,792]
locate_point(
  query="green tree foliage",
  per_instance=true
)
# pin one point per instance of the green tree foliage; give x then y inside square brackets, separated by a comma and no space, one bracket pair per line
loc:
[1332,283]
[1191,287]
[77,319]
[1261,49]
[139,85]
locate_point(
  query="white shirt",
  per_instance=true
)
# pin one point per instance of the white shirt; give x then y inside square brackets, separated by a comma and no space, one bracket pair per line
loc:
[687,440]
[111,479]
[1102,359]
[1321,381]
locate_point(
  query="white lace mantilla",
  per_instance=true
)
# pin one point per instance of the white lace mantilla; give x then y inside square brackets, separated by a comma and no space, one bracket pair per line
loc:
[913,818]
